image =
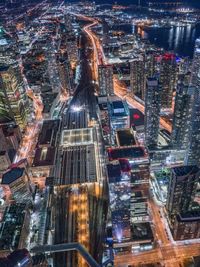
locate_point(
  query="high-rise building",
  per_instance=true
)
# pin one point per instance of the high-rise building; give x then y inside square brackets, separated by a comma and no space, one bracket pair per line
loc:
[181,190]
[167,79]
[119,115]
[65,75]
[186,226]
[119,191]
[152,111]
[150,63]
[8,48]
[193,151]
[195,77]
[68,22]
[52,68]
[105,74]
[181,119]
[137,77]
[13,100]
[17,181]
[72,49]
[105,28]
[3,143]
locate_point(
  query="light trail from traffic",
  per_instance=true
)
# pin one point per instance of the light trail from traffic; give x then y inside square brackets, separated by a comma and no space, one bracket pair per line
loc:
[119,89]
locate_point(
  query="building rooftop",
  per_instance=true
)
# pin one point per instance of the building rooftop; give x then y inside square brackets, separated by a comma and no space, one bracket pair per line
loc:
[12,175]
[189,216]
[118,109]
[185,170]
[11,226]
[114,172]
[48,100]
[3,68]
[125,138]
[44,157]
[136,118]
[77,137]
[48,133]
[142,231]
[127,152]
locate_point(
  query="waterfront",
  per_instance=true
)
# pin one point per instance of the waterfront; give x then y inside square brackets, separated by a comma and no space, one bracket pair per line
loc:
[178,39]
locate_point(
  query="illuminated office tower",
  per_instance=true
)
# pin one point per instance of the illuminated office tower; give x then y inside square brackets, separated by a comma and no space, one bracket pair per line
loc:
[8,48]
[193,151]
[150,63]
[105,28]
[105,73]
[182,116]
[181,190]
[137,77]
[17,180]
[195,78]
[152,111]
[52,68]
[13,99]
[120,194]
[72,49]
[167,79]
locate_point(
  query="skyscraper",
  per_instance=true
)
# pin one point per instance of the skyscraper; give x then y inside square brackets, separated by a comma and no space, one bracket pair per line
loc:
[152,111]
[105,80]
[137,77]
[18,182]
[150,63]
[13,100]
[181,190]
[182,116]
[193,151]
[8,48]
[119,191]
[72,49]
[167,79]
[105,28]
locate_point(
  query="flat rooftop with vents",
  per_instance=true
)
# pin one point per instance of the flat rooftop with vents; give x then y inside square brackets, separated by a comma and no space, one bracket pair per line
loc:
[77,137]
